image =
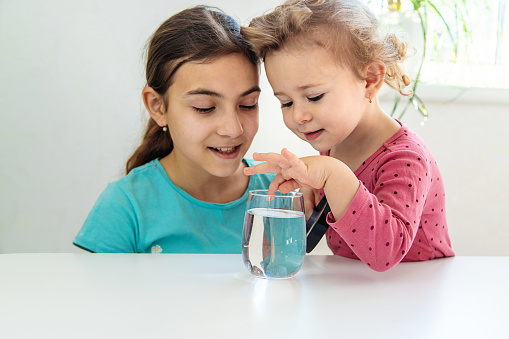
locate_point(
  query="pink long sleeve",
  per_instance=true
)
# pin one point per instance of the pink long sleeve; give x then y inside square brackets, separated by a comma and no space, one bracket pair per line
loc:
[398,213]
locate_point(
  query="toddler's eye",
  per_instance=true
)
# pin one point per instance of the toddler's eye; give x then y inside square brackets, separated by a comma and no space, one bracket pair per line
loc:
[204,110]
[286,104]
[318,97]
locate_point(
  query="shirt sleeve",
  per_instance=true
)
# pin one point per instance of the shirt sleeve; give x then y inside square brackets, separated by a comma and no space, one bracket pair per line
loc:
[379,227]
[111,224]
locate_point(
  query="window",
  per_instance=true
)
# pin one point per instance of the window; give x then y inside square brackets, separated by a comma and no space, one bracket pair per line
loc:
[466,45]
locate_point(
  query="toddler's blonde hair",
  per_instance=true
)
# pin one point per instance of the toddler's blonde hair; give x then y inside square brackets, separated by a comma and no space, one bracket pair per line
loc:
[346,28]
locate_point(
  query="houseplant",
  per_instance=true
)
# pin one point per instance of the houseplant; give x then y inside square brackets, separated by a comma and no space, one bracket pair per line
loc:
[421,9]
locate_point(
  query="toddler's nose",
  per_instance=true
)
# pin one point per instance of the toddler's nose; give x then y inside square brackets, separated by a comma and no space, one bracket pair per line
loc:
[301,114]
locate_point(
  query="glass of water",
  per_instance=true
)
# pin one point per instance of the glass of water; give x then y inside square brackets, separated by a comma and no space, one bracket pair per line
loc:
[274,236]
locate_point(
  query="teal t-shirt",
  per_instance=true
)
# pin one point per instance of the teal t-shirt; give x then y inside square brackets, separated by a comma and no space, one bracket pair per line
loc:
[145,212]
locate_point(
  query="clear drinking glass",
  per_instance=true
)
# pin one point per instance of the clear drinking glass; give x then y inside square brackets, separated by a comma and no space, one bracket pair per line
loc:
[274,236]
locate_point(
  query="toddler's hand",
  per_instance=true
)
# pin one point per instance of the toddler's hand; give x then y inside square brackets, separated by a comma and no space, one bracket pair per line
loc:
[291,171]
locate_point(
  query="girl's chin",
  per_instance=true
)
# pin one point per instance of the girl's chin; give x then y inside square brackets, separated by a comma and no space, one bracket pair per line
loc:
[224,171]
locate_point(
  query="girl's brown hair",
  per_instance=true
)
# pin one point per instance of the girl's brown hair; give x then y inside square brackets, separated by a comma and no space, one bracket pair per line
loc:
[201,33]
[347,28]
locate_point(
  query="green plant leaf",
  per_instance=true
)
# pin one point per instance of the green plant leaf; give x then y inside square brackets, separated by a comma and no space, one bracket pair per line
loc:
[432,5]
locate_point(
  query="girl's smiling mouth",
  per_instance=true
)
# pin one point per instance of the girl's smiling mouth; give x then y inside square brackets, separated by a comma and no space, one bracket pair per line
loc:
[227,152]
[313,135]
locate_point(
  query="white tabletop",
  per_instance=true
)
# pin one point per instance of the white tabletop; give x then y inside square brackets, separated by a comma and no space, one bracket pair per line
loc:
[213,296]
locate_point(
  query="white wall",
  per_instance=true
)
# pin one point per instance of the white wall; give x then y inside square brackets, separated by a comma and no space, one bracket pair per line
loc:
[71,73]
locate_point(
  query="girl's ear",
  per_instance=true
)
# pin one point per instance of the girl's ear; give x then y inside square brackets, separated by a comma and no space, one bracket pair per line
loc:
[154,103]
[374,75]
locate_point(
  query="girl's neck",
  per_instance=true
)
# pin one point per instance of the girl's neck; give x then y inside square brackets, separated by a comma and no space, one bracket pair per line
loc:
[204,186]
[369,135]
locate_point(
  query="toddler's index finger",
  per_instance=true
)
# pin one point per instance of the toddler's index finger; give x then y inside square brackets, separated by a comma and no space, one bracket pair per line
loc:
[257,169]
[256,156]
[275,159]
[261,156]
[248,171]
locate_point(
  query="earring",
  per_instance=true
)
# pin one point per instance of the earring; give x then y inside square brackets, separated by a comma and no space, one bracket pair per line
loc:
[165,128]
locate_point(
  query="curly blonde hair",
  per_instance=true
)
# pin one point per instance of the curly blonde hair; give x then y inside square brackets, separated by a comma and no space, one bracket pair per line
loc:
[347,28]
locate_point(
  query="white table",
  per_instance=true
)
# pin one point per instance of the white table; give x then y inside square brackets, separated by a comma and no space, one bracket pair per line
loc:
[213,296]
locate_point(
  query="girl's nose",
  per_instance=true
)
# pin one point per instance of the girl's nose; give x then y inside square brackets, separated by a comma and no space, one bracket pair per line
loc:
[230,125]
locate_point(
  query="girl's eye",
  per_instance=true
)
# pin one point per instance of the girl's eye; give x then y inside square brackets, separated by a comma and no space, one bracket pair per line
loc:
[318,97]
[204,110]
[249,108]
[286,104]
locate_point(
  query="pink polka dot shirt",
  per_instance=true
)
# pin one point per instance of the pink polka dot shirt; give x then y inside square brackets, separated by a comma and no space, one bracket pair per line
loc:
[398,213]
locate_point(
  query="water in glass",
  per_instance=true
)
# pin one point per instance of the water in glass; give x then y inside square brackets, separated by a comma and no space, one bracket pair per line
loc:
[274,237]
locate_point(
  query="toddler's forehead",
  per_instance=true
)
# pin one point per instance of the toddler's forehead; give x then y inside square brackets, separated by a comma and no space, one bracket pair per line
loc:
[302,46]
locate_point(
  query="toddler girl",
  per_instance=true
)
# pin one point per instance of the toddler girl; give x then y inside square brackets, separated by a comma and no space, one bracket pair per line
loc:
[326,63]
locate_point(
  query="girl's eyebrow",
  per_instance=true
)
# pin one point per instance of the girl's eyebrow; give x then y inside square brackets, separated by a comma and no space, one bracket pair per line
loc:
[203,91]
[252,90]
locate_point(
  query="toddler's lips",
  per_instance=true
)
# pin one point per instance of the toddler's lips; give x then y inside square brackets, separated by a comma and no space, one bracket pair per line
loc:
[313,135]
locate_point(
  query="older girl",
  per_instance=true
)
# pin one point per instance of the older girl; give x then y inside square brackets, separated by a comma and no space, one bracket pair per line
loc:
[185,190]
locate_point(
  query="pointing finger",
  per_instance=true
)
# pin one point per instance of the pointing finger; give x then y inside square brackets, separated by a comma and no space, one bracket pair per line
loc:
[274,185]
[274,159]
[260,169]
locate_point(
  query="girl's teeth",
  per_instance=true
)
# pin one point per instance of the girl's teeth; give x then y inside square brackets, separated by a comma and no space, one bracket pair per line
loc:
[225,150]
